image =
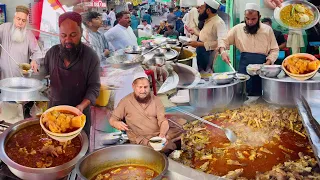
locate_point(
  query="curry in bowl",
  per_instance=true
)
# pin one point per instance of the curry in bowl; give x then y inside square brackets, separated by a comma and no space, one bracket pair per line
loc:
[32,148]
[63,121]
[299,65]
[297,15]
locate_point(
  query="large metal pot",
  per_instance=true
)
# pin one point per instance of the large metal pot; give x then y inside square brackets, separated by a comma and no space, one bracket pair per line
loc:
[186,56]
[219,96]
[105,158]
[24,172]
[20,89]
[284,91]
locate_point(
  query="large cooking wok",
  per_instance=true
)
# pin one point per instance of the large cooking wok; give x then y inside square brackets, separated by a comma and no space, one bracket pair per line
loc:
[112,156]
[24,172]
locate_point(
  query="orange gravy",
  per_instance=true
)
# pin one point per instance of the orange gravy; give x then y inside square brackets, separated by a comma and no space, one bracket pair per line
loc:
[288,139]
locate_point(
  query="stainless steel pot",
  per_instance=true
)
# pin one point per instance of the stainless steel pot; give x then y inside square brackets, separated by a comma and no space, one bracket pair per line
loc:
[219,96]
[105,158]
[24,172]
[125,61]
[283,91]
[186,56]
[20,89]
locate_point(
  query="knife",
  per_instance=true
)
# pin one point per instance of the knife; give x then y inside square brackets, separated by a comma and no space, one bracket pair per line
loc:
[312,120]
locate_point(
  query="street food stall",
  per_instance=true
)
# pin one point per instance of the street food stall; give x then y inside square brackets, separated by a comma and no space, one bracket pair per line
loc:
[228,135]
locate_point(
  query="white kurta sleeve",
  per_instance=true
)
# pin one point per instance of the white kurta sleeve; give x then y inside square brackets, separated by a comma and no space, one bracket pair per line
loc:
[2,26]
[221,33]
[36,52]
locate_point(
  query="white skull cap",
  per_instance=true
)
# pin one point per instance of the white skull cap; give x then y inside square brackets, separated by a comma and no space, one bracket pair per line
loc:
[212,3]
[140,74]
[252,6]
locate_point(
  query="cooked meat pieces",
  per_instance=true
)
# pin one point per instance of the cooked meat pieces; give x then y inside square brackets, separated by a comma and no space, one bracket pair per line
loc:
[234,174]
[304,168]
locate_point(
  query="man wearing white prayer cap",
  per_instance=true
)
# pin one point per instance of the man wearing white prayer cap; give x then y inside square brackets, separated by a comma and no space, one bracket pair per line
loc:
[255,41]
[210,36]
[142,115]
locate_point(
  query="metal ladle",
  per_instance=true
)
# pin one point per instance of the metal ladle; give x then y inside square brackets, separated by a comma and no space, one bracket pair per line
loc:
[19,65]
[228,132]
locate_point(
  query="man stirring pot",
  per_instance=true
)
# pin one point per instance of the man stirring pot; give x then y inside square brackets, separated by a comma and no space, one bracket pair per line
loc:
[20,43]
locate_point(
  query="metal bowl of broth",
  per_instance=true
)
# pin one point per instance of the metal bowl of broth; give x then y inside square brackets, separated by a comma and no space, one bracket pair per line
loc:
[122,160]
[309,6]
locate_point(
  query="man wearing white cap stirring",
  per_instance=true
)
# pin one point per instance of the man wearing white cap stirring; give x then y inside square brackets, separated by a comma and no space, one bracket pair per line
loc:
[256,42]
[210,36]
[144,115]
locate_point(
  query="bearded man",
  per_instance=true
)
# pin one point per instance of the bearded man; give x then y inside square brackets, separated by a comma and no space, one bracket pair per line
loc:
[256,42]
[210,36]
[142,115]
[73,68]
[20,43]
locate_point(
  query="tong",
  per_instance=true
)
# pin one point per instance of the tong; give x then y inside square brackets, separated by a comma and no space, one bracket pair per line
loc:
[312,120]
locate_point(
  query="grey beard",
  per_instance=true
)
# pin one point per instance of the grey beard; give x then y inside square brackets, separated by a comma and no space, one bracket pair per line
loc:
[18,35]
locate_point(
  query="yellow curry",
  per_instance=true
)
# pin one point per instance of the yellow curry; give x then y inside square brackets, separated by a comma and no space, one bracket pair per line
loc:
[63,121]
[296,15]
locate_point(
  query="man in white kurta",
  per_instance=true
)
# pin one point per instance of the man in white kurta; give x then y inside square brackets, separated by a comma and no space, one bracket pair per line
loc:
[121,35]
[211,35]
[256,42]
[192,22]
[145,28]
[20,43]
[112,16]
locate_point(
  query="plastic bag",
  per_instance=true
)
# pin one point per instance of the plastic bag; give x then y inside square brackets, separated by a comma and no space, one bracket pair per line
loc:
[11,112]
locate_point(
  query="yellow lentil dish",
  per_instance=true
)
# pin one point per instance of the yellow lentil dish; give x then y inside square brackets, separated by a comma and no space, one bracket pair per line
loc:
[296,15]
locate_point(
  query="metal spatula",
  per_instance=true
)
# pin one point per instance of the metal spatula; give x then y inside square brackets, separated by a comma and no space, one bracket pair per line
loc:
[229,133]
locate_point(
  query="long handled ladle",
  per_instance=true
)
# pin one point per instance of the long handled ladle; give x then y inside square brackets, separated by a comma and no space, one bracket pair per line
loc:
[229,133]
[19,65]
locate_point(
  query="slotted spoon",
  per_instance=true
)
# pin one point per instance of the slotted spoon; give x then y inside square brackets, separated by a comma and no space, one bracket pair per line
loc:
[228,132]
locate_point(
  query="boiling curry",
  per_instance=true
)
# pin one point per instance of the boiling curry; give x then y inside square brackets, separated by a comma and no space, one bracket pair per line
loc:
[31,148]
[267,137]
[296,15]
[127,172]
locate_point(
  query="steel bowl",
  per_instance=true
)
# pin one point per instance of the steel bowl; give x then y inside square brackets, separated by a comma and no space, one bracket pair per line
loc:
[125,61]
[118,155]
[20,89]
[312,7]
[24,172]
[172,41]
[216,78]
[270,71]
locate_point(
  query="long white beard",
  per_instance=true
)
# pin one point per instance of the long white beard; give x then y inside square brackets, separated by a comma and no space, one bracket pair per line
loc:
[18,35]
